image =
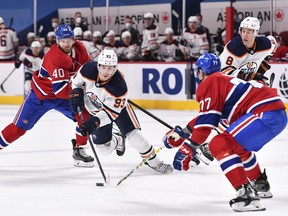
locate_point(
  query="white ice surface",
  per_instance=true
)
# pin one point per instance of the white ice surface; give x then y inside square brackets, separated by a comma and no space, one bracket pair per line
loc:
[37,176]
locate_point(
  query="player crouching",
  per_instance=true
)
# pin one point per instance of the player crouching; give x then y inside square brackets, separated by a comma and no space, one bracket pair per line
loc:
[101,88]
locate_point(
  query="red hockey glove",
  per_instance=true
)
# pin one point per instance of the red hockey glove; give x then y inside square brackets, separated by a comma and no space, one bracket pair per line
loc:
[174,138]
[183,157]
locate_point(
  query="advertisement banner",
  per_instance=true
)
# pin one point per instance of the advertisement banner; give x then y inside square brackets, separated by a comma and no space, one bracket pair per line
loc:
[155,81]
[260,9]
[162,17]
[281,79]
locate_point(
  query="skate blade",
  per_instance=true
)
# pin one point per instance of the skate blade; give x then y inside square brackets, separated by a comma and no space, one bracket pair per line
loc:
[253,206]
[78,163]
[264,195]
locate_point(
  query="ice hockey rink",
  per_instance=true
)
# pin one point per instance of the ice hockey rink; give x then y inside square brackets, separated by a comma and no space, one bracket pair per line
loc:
[37,176]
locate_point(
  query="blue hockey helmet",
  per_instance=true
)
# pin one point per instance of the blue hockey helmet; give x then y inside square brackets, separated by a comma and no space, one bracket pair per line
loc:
[209,63]
[64,31]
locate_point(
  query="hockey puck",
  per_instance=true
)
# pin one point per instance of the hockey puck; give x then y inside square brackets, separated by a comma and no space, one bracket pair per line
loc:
[100,184]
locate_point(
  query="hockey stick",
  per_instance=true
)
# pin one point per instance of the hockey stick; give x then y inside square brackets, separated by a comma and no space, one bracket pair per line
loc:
[11,22]
[107,181]
[272,77]
[139,165]
[1,86]
[185,130]
[150,114]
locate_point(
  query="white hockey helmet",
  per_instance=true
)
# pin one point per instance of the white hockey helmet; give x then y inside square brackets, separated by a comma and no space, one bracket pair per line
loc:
[51,34]
[77,31]
[194,19]
[148,15]
[111,33]
[107,57]
[250,23]
[97,34]
[87,34]
[125,34]
[35,44]
[168,30]
[31,34]
[1,20]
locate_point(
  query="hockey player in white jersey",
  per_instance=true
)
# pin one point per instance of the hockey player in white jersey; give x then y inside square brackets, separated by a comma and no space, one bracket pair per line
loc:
[244,56]
[194,39]
[150,45]
[103,90]
[9,42]
[89,45]
[169,49]
[32,58]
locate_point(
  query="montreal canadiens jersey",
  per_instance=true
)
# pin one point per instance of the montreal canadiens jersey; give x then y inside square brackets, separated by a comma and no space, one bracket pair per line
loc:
[223,97]
[236,56]
[102,99]
[52,80]
[35,60]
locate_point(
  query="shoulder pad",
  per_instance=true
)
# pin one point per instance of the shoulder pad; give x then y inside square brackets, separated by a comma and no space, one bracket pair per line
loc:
[90,70]
[200,30]
[28,51]
[117,85]
[236,47]
[262,43]
[57,57]
[151,27]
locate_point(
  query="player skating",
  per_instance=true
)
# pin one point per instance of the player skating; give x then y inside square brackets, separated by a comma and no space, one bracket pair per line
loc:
[255,114]
[50,90]
[104,92]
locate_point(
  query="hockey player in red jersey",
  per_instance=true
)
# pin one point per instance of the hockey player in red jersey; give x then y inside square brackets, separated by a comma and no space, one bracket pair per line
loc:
[102,89]
[255,114]
[50,90]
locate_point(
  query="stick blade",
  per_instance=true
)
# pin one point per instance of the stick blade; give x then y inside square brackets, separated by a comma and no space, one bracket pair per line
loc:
[2,88]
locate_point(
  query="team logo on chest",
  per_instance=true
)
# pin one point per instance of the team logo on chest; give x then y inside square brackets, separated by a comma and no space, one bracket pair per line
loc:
[249,67]
[94,100]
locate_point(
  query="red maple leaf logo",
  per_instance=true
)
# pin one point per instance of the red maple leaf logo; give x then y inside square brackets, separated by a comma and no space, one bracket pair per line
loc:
[278,15]
[165,17]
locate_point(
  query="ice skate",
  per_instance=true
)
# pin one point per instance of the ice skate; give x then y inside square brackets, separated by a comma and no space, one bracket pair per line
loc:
[246,200]
[262,186]
[81,158]
[121,145]
[203,154]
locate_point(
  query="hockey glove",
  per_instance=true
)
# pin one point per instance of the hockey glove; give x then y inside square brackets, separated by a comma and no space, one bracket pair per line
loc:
[27,63]
[17,63]
[76,98]
[174,138]
[264,66]
[183,157]
[183,42]
[90,125]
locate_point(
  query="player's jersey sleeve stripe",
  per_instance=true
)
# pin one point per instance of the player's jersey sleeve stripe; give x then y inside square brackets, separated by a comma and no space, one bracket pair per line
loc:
[43,72]
[209,119]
